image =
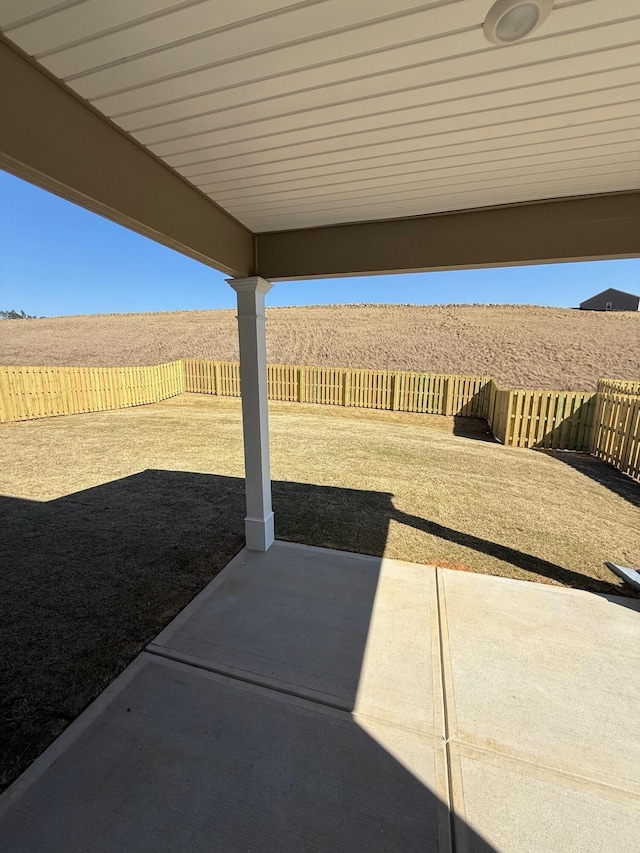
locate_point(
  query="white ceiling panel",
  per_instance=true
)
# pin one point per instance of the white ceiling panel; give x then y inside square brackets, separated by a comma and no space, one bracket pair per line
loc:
[436,185]
[184,23]
[302,67]
[338,161]
[474,196]
[532,83]
[505,107]
[194,114]
[413,162]
[450,57]
[14,11]
[293,114]
[70,23]
[597,160]
[240,187]
[264,36]
[392,139]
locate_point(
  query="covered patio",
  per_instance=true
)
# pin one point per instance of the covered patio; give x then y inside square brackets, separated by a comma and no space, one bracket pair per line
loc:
[308,699]
[282,141]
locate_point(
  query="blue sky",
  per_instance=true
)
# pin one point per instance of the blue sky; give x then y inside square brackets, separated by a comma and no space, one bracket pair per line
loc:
[59,259]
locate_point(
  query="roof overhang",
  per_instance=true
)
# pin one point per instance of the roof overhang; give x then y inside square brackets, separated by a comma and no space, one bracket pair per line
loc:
[579,229]
[52,138]
[55,138]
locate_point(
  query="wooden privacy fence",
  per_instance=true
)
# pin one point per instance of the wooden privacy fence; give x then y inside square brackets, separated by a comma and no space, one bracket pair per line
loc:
[40,392]
[400,391]
[556,420]
[605,423]
[615,436]
[551,419]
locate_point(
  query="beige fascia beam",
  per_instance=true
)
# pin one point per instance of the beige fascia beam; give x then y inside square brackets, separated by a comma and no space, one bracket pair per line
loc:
[585,228]
[51,137]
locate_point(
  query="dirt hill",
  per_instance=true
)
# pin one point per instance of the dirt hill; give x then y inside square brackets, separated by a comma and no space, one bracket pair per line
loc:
[521,346]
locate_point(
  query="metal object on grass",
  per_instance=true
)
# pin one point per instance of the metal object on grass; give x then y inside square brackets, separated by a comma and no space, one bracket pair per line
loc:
[631,576]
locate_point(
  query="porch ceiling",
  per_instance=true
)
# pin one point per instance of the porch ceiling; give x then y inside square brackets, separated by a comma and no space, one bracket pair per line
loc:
[301,114]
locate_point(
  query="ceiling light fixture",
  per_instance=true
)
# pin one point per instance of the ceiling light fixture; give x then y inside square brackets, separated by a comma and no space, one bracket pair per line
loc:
[509,21]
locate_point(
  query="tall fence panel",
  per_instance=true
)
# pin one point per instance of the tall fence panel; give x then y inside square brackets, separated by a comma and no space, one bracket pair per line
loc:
[284,382]
[558,420]
[371,389]
[221,378]
[499,402]
[619,386]
[321,385]
[616,434]
[200,376]
[467,396]
[403,391]
[420,392]
[27,393]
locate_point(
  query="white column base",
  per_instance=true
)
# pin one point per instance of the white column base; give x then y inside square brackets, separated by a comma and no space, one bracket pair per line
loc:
[259,533]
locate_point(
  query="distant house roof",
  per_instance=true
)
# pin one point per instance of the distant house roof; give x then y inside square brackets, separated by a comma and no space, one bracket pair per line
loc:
[611,293]
[613,290]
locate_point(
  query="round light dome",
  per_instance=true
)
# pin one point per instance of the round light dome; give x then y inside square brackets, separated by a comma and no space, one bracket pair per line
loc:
[509,21]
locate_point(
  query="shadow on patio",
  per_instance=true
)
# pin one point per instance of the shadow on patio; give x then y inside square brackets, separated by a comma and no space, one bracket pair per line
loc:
[92,577]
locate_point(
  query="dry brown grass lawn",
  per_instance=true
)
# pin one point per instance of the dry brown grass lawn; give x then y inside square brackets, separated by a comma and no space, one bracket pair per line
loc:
[521,346]
[112,522]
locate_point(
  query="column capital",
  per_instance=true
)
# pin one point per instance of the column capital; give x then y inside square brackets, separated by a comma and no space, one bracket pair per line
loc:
[253,284]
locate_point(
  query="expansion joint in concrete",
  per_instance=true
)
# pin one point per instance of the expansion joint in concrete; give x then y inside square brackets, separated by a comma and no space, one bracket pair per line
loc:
[441,620]
[244,677]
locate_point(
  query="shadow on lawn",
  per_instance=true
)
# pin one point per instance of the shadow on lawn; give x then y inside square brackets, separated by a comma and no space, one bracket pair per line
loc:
[520,559]
[477,429]
[600,472]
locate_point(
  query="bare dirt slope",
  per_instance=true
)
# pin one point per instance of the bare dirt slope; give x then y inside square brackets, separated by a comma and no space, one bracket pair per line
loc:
[521,346]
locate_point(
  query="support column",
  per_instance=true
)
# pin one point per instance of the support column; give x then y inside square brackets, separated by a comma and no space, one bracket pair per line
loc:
[258,524]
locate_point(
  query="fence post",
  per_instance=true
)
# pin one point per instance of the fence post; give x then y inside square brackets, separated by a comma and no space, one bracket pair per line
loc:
[448,396]
[347,388]
[626,444]
[395,391]
[510,435]
[491,408]
[217,391]
[302,390]
[5,397]
[594,432]
[591,407]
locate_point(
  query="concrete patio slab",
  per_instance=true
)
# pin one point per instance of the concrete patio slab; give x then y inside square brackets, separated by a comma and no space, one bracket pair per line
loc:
[521,807]
[358,633]
[313,700]
[545,674]
[172,758]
